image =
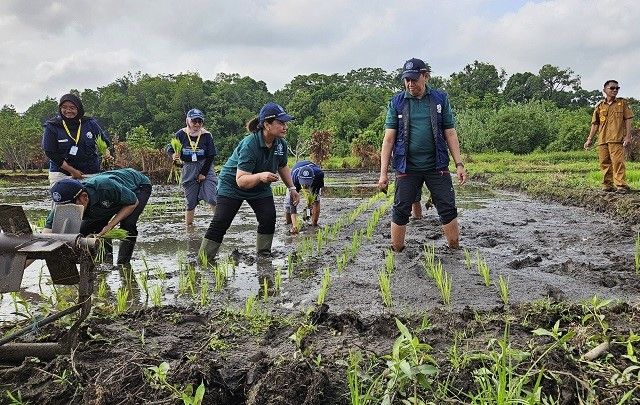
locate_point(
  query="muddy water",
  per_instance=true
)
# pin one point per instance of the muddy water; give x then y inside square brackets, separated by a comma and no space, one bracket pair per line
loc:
[541,249]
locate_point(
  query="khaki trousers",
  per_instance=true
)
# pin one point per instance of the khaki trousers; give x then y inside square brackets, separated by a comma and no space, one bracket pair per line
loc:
[611,157]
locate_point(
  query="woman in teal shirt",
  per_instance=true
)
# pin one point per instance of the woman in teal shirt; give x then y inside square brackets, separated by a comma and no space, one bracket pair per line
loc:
[248,175]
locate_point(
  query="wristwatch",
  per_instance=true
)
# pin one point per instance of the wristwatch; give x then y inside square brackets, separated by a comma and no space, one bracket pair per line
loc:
[459,164]
[292,188]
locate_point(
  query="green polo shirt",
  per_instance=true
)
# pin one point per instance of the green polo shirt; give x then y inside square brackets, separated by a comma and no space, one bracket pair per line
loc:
[422,148]
[108,193]
[253,156]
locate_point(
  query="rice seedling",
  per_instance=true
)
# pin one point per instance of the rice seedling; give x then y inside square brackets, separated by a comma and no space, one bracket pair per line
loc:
[319,241]
[467,259]
[443,282]
[389,261]
[265,289]
[291,261]
[159,273]
[102,289]
[384,281]
[122,295]
[277,280]
[341,262]
[429,257]
[203,259]
[483,269]
[204,292]
[156,295]
[503,285]
[249,305]
[220,273]
[324,286]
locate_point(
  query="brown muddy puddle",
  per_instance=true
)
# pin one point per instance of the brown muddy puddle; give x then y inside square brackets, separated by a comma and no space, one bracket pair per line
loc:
[541,249]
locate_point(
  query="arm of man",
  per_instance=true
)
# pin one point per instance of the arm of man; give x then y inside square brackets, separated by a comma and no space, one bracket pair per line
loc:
[285,175]
[385,157]
[124,212]
[592,132]
[451,136]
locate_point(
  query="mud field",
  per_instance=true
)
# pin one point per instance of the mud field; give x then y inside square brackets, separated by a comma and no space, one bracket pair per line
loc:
[284,348]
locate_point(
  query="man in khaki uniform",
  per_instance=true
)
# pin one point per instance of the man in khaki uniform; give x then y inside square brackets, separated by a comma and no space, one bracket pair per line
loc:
[612,120]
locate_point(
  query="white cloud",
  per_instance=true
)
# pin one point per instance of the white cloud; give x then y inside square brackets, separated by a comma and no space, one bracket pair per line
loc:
[49,47]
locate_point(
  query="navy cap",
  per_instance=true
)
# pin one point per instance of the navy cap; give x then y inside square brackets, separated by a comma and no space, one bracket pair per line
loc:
[413,68]
[305,176]
[66,191]
[195,113]
[273,110]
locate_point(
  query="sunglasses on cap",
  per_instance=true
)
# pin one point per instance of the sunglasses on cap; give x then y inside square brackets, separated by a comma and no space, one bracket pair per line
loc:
[614,88]
[197,120]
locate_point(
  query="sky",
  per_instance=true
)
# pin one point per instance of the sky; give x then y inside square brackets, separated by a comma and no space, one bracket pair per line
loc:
[49,47]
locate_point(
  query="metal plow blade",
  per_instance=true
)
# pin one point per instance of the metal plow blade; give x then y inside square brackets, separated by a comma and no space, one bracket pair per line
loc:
[13,220]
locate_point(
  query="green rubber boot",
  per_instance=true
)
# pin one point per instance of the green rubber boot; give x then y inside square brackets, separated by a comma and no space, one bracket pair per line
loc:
[263,243]
[210,248]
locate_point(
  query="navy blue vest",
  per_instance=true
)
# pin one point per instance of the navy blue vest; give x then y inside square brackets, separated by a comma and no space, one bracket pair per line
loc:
[437,99]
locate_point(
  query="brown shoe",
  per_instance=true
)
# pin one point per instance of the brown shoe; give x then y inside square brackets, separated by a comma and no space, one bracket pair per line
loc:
[622,190]
[608,189]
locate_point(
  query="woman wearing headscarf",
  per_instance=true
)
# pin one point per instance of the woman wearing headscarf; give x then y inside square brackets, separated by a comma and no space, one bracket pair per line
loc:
[247,176]
[69,141]
[196,156]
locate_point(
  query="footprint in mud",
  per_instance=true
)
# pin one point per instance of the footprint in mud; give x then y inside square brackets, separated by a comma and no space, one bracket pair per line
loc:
[529,261]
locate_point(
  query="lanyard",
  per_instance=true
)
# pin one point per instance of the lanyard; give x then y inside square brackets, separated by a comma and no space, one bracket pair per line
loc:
[77,138]
[194,146]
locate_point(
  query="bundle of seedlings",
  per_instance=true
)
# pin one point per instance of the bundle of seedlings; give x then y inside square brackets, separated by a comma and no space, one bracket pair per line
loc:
[174,174]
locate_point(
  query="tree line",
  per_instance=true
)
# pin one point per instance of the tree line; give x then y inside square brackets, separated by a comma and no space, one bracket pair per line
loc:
[525,111]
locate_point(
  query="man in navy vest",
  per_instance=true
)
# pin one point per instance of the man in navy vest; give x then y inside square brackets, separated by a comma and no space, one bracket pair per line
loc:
[419,135]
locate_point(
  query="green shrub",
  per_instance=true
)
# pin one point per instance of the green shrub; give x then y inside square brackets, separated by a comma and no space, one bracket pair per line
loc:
[573,128]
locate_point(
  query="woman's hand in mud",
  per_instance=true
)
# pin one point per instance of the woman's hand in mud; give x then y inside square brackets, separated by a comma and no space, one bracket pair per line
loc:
[268,177]
[293,230]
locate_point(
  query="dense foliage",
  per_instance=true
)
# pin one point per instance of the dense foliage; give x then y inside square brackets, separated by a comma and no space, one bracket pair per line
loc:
[524,112]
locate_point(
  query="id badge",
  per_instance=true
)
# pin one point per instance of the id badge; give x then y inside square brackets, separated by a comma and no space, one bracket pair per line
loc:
[194,157]
[74,150]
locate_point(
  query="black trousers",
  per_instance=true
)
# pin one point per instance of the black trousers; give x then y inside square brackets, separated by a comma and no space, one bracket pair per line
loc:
[227,208]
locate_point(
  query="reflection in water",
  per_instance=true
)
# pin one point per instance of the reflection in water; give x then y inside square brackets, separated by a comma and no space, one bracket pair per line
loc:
[166,244]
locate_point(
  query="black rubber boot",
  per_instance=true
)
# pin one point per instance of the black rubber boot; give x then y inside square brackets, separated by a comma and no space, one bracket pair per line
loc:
[126,251]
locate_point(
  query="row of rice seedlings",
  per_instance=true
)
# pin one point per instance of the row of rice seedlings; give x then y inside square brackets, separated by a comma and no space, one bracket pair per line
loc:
[356,243]
[483,269]
[324,286]
[375,217]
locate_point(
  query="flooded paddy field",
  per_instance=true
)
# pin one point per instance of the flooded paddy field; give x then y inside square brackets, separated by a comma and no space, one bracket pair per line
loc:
[280,330]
